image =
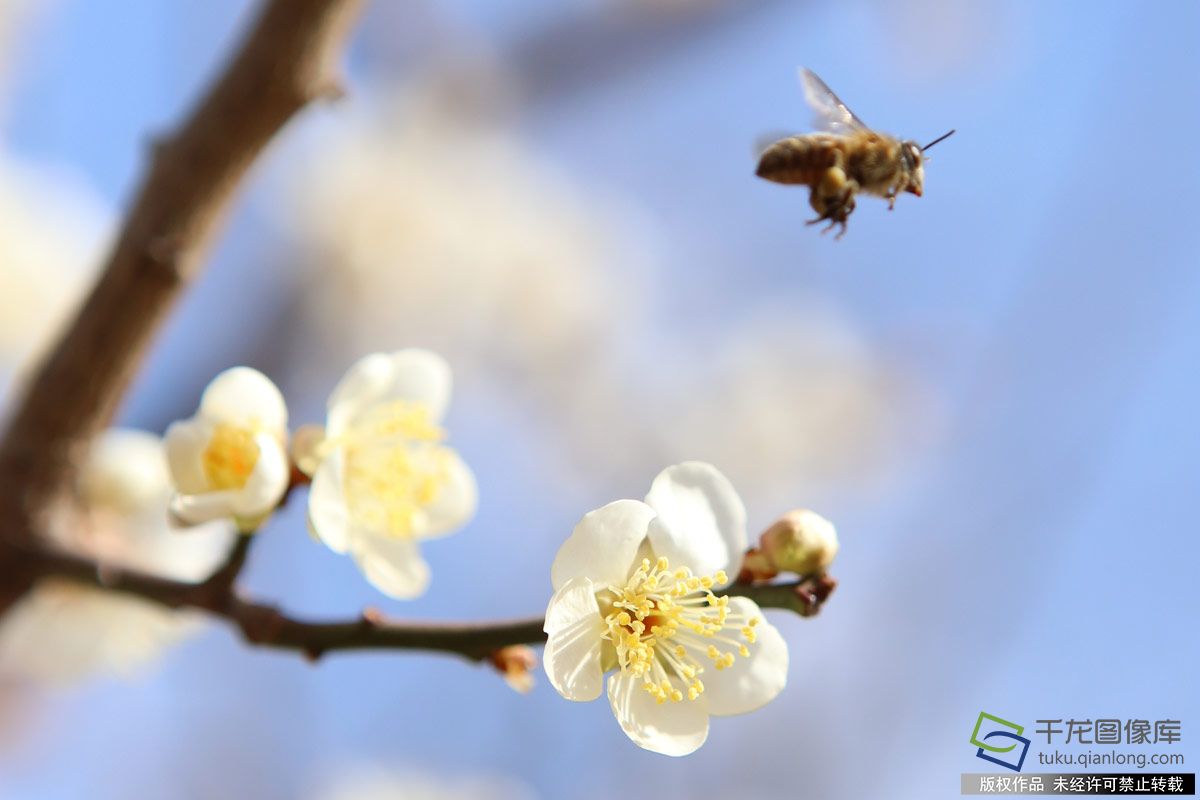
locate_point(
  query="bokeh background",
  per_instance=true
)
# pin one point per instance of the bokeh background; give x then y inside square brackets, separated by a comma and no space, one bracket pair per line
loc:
[992,390]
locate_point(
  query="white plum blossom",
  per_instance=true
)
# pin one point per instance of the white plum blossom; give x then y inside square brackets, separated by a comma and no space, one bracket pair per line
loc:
[635,595]
[61,631]
[382,478]
[230,460]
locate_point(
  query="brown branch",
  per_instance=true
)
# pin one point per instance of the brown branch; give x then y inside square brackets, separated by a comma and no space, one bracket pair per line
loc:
[265,625]
[225,576]
[285,61]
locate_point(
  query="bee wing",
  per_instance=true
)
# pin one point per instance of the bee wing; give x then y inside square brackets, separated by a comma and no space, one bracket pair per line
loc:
[832,114]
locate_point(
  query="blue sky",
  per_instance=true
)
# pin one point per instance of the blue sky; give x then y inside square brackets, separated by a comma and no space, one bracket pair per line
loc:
[1036,560]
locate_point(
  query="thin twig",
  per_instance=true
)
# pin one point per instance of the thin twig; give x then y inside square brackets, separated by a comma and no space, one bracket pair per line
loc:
[265,625]
[285,61]
[226,575]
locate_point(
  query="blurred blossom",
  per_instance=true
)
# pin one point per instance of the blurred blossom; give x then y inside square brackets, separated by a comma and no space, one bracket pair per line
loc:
[51,230]
[230,460]
[364,782]
[382,479]
[62,631]
[796,395]
[424,223]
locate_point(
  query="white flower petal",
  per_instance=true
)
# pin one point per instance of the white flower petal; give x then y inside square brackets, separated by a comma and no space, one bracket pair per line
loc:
[185,442]
[244,396]
[455,502]
[267,482]
[673,729]
[328,517]
[701,522]
[392,565]
[193,509]
[751,682]
[603,545]
[413,375]
[125,470]
[60,633]
[572,654]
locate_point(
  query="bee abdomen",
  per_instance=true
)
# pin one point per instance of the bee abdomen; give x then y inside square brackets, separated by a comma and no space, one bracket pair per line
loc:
[796,160]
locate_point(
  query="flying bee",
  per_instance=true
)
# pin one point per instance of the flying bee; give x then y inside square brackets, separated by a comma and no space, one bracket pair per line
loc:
[844,158]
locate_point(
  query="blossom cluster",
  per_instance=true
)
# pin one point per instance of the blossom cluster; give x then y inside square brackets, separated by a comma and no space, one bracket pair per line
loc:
[382,475]
[643,590]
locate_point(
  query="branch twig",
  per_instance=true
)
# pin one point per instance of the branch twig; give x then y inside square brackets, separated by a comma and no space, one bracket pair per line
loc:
[265,625]
[285,61]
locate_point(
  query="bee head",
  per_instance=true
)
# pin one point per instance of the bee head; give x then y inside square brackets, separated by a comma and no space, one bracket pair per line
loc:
[913,156]
[914,167]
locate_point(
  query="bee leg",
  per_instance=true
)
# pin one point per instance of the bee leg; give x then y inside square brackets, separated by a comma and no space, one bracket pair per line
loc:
[832,197]
[835,211]
[891,198]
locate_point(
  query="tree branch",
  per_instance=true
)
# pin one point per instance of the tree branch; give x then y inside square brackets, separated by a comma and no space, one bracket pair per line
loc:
[285,61]
[265,625]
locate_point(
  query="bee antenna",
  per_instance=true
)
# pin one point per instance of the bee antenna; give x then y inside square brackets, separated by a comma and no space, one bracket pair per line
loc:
[943,137]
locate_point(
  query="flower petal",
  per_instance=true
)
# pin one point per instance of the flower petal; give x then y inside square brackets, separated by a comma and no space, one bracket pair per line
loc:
[751,682]
[126,471]
[673,729]
[603,545]
[185,442]
[456,500]
[193,509]
[414,375]
[328,517]
[701,522]
[267,482]
[394,566]
[245,396]
[572,654]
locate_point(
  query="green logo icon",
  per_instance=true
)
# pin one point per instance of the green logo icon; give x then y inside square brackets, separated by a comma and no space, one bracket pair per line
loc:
[980,723]
[990,729]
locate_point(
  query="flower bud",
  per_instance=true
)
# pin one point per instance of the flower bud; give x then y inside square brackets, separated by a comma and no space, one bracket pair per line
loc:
[800,541]
[514,664]
[756,567]
[306,448]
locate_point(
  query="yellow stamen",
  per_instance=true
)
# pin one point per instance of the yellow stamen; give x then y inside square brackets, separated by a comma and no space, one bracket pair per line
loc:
[664,623]
[394,467]
[230,457]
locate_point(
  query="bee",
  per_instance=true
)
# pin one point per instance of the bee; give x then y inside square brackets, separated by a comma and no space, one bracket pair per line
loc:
[846,157]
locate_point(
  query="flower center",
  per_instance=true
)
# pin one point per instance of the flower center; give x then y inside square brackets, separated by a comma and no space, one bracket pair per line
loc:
[394,467]
[666,623]
[230,457]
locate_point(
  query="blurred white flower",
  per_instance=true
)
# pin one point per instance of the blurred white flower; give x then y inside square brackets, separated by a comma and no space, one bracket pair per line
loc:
[363,782]
[62,631]
[423,223]
[634,594]
[796,394]
[230,460]
[382,479]
[51,230]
